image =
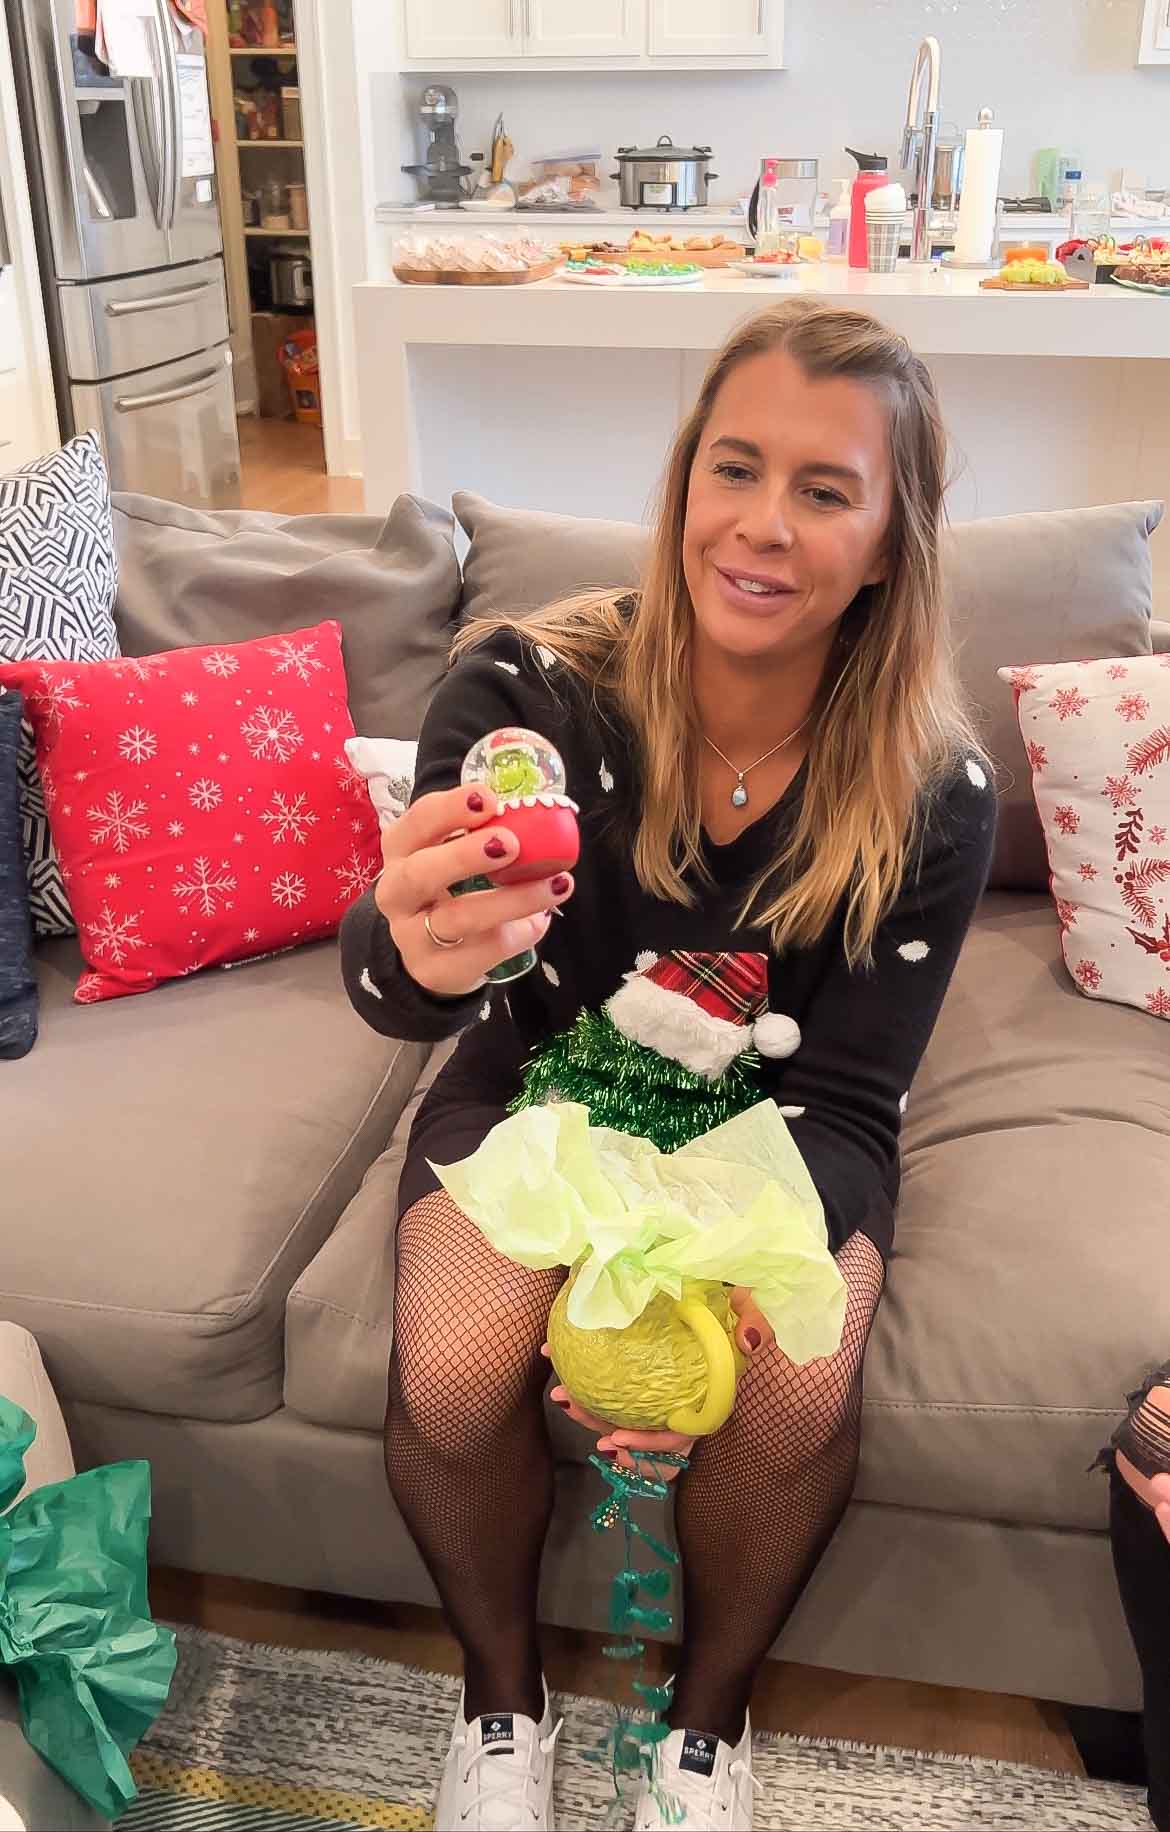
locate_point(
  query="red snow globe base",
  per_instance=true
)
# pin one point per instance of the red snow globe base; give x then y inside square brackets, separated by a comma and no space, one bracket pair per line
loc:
[527,776]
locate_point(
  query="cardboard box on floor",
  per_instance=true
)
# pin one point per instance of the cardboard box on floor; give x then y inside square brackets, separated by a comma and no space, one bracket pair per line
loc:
[269,330]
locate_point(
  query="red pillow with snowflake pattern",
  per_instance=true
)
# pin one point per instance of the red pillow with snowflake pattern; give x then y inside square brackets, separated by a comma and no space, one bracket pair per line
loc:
[201,802]
[1098,740]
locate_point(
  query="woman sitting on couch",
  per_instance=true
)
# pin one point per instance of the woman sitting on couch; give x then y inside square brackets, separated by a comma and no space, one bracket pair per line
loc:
[771,759]
[1139,1521]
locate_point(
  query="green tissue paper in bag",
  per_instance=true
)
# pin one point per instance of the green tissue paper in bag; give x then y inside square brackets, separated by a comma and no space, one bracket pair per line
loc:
[92,1669]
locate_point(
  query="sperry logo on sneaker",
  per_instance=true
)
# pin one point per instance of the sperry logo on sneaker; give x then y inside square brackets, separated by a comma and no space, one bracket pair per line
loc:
[698,1754]
[497,1729]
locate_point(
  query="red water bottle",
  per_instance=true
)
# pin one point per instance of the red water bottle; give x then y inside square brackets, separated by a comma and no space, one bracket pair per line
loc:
[871,173]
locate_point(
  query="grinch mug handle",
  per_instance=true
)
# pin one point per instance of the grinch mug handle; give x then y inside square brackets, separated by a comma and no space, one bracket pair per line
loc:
[701,1421]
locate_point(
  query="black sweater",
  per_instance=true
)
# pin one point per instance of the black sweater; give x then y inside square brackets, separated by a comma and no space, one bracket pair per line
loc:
[863,1031]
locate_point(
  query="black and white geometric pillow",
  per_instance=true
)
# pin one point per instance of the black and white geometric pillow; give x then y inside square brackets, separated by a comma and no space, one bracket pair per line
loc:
[58,582]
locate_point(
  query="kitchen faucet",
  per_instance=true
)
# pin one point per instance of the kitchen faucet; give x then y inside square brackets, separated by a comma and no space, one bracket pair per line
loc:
[920,140]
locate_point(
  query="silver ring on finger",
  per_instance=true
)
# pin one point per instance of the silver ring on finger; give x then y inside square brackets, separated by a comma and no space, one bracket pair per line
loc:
[440,941]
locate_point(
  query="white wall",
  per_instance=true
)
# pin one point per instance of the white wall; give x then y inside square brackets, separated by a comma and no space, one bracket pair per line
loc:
[1056,72]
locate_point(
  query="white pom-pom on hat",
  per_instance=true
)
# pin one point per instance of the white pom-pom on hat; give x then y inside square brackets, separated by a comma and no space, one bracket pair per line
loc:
[775,1035]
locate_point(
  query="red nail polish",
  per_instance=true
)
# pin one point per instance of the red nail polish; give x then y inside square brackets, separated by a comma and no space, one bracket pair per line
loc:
[753,1339]
[559,885]
[475,802]
[495,848]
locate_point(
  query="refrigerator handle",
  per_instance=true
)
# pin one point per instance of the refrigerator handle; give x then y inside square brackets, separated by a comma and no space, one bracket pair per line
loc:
[174,110]
[153,139]
[163,397]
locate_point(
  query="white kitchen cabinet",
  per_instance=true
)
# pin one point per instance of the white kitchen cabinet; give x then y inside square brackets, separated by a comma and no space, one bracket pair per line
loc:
[437,30]
[566,28]
[710,28]
[1155,39]
[517,35]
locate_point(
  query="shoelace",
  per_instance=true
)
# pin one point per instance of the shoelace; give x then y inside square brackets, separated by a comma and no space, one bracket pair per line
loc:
[693,1791]
[513,1790]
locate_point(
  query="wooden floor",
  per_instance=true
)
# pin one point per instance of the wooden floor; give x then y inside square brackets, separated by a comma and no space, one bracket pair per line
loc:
[805,1701]
[283,469]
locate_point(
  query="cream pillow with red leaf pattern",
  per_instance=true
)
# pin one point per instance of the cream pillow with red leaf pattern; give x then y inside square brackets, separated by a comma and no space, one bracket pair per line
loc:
[1097,736]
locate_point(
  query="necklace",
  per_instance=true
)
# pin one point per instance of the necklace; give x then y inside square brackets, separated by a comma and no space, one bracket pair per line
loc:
[739,795]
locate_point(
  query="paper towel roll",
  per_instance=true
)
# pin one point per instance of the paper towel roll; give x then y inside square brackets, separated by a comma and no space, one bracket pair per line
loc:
[981,163]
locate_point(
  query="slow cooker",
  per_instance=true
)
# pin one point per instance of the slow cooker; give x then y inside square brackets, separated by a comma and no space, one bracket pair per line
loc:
[663,177]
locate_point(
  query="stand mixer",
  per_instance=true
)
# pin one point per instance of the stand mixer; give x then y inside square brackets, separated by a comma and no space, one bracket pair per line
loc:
[441,172]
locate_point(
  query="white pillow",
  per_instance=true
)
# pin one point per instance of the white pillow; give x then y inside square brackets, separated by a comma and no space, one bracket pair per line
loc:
[1098,740]
[388,766]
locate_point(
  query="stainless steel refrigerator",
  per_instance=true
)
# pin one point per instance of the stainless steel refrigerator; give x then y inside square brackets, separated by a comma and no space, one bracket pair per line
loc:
[122,180]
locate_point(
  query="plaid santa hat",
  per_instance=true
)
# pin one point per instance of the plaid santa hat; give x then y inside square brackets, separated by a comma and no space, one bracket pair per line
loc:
[702,1010]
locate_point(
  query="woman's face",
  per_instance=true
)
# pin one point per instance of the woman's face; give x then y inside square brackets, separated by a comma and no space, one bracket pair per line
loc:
[787,509]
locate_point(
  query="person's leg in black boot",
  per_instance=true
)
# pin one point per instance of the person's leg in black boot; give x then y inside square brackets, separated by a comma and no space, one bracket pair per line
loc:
[1139,1523]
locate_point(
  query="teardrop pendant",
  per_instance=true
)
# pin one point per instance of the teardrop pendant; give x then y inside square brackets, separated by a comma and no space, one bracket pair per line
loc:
[739,795]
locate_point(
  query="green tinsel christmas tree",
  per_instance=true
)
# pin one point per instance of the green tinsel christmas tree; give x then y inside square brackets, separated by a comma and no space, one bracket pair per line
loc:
[675,1052]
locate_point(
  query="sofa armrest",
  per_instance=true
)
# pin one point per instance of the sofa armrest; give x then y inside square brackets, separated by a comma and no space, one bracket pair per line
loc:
[1160,637]
[339,1318]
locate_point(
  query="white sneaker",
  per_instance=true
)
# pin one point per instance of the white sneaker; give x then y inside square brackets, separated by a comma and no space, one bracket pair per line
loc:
[498,1775]
[702,1777]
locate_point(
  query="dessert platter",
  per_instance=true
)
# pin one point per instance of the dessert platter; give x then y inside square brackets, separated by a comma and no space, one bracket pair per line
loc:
[713,250]
[1145,273]
[472,260]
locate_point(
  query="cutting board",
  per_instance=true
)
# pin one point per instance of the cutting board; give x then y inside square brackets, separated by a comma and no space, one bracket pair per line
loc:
[460,276]
[1066,286]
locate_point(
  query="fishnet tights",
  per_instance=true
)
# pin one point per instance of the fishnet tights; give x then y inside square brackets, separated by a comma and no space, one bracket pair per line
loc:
[761,1502]
[469,1464]
[467,1453]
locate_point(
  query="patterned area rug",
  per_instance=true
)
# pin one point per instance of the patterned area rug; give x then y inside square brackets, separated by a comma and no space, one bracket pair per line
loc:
[260,1739]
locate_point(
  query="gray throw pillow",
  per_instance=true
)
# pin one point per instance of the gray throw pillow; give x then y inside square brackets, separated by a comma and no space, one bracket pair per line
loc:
[58,580]
[18,992]
[1076,584]
[392,583]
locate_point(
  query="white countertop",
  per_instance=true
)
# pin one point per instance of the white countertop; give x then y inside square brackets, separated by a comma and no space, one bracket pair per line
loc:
[940,312]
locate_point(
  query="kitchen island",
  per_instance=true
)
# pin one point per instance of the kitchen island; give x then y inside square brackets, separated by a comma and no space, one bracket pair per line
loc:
[564,397]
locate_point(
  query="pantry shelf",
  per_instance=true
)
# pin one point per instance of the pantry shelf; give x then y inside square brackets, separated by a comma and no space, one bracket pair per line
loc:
[249,230]
[247,145]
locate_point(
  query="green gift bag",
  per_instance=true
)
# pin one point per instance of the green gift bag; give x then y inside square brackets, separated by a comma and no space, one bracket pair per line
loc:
[92,1669]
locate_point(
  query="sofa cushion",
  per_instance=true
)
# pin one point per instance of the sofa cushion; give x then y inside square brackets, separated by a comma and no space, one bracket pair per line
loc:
[392,585]
[340,1318]
[1022,588]
[1031,1263]
[173,1163]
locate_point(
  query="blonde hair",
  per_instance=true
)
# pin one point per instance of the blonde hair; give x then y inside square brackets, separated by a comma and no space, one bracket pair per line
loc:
[890,716]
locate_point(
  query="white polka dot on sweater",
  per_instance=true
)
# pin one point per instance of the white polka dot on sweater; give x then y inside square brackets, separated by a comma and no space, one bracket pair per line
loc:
[605,777]
[485,1011]
[367,984]
[508,667]
[903,1103]
[547,658]
[914,950]
[791,1113]
[550,973]
[976,773]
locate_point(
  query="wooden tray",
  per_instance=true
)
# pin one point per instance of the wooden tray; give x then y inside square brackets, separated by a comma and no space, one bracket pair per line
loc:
[458,276]
[1066,286]
[702,257]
